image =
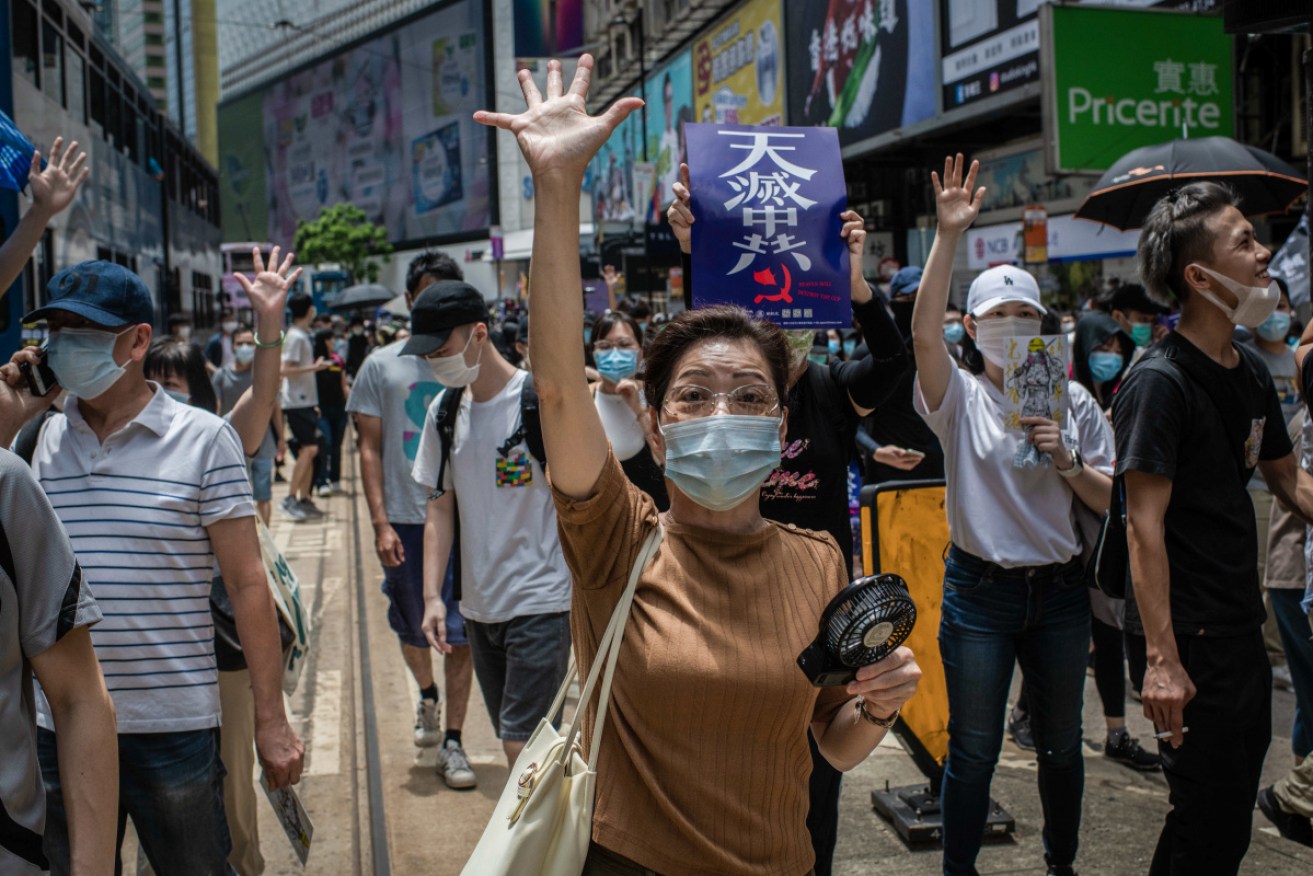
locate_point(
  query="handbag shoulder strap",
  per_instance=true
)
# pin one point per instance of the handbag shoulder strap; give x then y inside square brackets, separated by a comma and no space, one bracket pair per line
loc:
[608,651]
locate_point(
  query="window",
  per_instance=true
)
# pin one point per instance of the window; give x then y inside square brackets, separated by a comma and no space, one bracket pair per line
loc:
[24,21]
[75,85]
[96,106]
[52,62]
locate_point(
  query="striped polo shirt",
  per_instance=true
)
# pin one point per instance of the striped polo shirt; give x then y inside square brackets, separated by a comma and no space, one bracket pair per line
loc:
[136,509]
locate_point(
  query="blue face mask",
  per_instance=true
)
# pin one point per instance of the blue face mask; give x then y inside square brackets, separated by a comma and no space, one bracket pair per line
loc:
[849,347]
[616,364]
[954,332]
[1275,327]
[1105,366]
[833,346]
[588,335]
[180,397]
[83,360]
[720,460]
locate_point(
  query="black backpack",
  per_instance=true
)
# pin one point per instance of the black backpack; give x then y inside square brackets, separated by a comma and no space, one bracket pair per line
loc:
[529,430]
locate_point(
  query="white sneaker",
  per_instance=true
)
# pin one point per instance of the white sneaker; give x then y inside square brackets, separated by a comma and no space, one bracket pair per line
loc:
[325,491]
[454,766]
[428,723]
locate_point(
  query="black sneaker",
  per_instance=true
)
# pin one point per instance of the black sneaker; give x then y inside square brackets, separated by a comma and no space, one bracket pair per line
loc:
[1126,750]
[1019,730]
[310,508]
[1292,827]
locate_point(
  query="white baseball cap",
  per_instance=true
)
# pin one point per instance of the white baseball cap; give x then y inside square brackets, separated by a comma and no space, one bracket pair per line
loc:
[1002,284]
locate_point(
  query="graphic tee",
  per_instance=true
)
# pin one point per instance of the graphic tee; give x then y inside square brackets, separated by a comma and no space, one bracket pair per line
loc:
[511,560]
[300,390]
[398,390]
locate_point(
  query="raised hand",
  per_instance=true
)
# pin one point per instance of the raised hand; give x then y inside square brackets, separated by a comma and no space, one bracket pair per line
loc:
[611,276]
[556,134]
[680,213]
[955,205]
[853,231]
[268,294]
[53,189]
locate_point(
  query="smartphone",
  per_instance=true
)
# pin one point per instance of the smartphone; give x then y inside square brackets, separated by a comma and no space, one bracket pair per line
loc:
[40,379]
[910,452]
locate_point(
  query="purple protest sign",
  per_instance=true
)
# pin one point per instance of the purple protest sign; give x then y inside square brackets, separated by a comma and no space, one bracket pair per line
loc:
[767,202]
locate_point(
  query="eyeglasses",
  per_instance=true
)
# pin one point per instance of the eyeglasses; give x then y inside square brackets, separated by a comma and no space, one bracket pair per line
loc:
[615,345]
[751,400]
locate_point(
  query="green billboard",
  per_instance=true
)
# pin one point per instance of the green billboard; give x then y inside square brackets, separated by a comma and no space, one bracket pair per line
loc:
[242,193]
[1118,79]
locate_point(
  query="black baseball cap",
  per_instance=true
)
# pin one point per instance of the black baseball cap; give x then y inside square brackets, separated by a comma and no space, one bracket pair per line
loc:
[440,308]
[101,291]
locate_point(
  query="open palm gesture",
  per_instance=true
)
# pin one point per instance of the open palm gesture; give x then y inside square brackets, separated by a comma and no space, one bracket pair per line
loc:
[956,206]
[268,294]
[556,134]
[54,186]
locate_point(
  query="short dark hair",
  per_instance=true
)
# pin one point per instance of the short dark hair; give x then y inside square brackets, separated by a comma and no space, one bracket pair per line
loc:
[603,324]
[169,358]
[721,322]
[1175,234]
[177,319]
[1131,296]
[300,305]
[952,308]
[431,263]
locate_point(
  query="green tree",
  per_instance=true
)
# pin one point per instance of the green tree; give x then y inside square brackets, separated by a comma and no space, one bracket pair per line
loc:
[343,234]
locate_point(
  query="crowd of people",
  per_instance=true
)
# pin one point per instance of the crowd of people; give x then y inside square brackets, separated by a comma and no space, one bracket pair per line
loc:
[516,461]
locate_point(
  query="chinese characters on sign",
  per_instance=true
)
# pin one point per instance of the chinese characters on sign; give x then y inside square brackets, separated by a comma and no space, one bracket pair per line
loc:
[767,202]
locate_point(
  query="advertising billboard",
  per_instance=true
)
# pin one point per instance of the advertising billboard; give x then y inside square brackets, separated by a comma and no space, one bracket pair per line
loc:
[988,46]
[547,28]
[385,125]
[854,67]
[739,67]
[669,96]
[242,194]
[1171,77]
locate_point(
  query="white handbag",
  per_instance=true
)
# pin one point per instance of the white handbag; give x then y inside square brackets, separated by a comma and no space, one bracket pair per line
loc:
[544,818]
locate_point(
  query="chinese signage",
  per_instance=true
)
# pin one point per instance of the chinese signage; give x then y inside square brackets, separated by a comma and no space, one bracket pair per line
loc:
[739,68]
[858,71]
[989,46]
[767,202]
[385,125]
[1035,222]
[1170,78]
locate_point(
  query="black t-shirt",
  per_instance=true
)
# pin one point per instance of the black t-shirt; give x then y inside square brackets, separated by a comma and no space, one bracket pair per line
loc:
[810,488]
[897,423]
[1167,424]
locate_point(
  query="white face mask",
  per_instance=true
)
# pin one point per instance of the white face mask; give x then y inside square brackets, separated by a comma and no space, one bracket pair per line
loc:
[229,326]
[993,336]
[1256,303]
[452,370]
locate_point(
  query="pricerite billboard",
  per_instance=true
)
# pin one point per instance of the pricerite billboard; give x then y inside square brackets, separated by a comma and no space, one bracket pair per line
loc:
[1170,77]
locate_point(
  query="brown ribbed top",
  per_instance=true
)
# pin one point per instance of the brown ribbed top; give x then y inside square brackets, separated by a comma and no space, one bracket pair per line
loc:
[704,763]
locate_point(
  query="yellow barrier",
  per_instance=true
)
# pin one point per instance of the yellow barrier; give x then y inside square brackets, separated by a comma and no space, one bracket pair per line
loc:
[908,537]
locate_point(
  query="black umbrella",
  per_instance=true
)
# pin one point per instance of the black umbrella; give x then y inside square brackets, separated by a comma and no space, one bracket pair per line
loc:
[1128,190]
[362,295]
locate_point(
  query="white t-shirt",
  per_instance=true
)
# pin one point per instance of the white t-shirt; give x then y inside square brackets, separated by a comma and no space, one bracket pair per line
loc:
[620,424]
[398,390]
[300,390]
[511,560]
[1010,516]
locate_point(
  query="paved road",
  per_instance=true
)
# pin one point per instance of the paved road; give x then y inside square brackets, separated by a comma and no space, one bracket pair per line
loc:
[400,818]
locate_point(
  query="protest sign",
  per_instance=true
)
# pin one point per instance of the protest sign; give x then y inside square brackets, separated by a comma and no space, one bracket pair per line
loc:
[766,237]
[1034,385]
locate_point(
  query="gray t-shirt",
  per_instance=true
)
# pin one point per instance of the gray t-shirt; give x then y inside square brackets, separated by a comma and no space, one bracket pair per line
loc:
[42,598]
[301,390]
[398,389]
[229,384]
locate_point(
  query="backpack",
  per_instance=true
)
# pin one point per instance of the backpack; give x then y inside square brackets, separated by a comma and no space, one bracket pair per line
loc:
[529,430]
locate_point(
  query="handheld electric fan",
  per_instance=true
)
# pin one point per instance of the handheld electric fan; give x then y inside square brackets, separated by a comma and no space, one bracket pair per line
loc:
[863,624]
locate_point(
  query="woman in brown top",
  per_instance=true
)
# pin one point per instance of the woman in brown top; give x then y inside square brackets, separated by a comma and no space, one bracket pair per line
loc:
[704,767]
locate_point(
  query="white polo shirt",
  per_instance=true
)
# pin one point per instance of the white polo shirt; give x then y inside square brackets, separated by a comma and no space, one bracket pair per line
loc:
[1010,516]
[136,509]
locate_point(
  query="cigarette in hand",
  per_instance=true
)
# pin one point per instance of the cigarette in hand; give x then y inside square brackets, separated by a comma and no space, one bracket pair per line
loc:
[1167,734]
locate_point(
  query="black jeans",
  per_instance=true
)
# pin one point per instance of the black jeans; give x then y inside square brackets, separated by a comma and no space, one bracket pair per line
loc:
[1214,775]
[823,812]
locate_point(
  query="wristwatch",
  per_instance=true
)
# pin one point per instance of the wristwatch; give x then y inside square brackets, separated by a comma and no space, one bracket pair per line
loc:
[886,723]
[1077,466]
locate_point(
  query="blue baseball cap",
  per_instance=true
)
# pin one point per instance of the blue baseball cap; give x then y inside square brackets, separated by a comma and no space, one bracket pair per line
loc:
[103,292]
[906,281]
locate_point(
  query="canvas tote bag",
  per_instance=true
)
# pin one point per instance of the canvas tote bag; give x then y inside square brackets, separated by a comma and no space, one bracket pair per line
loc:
[544,818]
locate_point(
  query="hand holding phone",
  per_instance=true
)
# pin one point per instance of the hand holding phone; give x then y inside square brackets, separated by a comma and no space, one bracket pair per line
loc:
[40,379]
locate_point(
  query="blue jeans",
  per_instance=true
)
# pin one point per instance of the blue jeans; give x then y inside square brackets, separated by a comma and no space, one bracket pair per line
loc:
[171,784]
[993,617]
[1292,624]
[520,664]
